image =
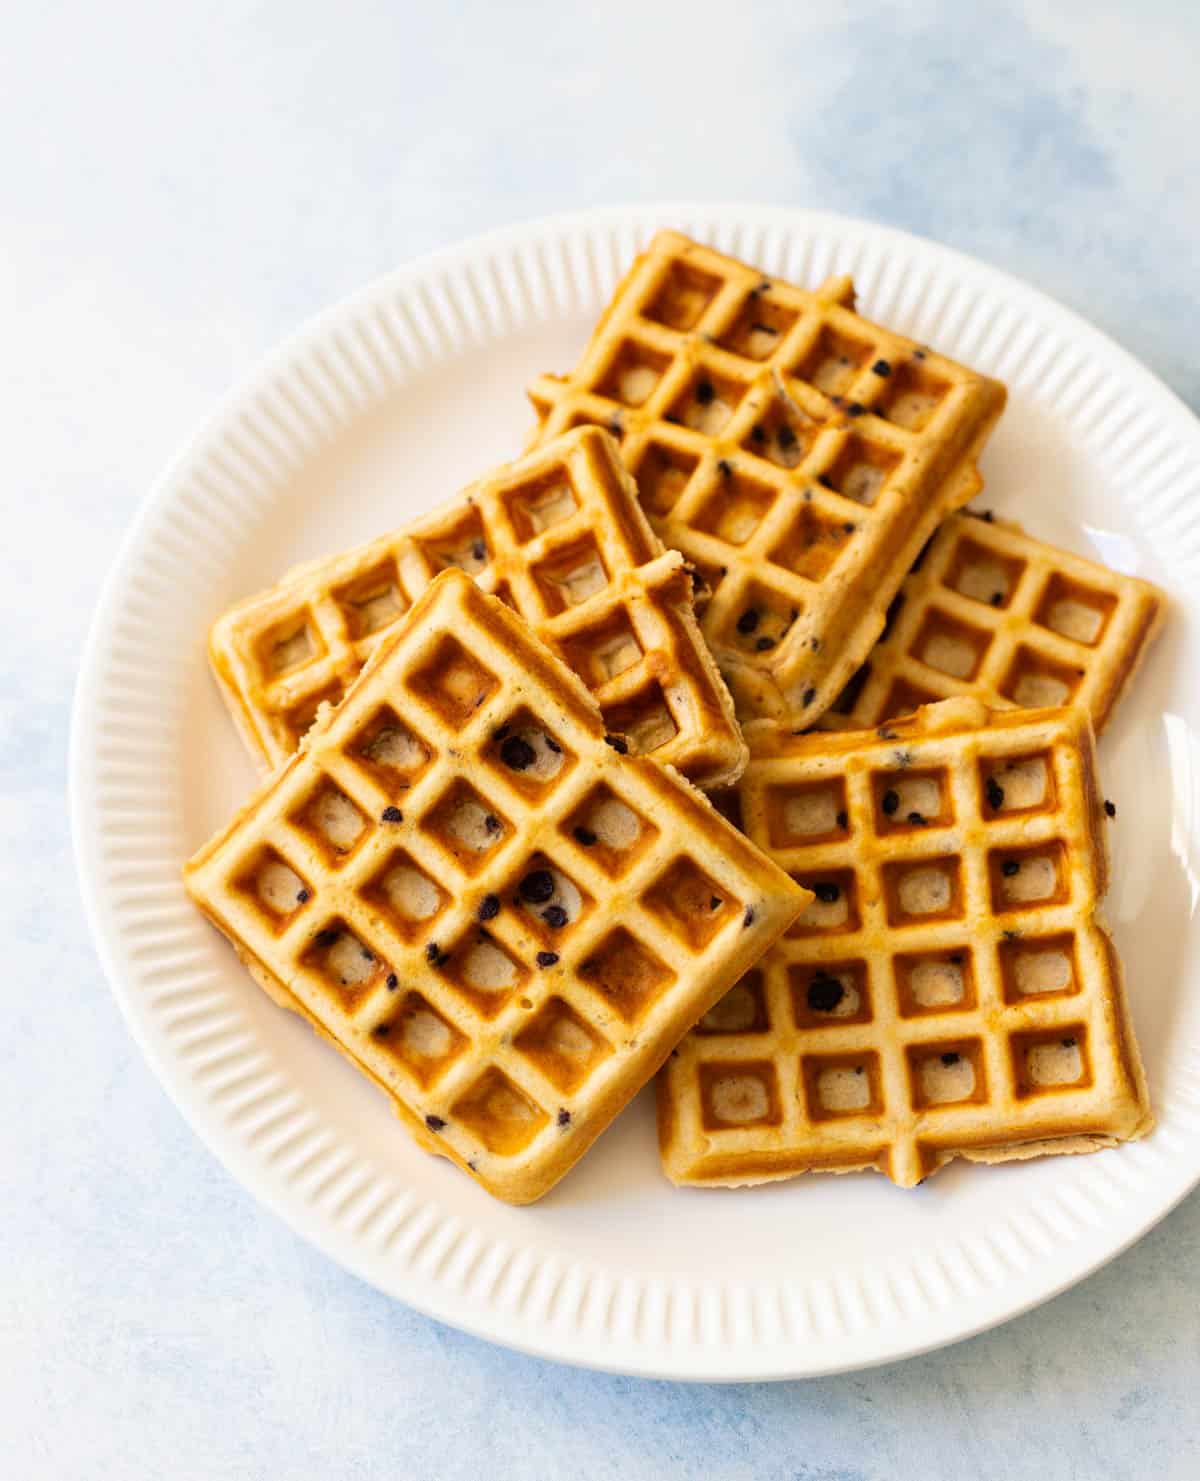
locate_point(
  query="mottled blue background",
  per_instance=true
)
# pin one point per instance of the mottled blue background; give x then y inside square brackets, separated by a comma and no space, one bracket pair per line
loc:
[182,184]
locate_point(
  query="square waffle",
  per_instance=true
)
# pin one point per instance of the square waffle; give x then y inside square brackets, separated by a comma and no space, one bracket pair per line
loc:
[488,906]
[799,456]
[950,992]
[989,611]
[560,537]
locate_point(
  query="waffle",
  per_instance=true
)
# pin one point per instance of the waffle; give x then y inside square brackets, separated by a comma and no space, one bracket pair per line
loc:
[559,536]
[951,992]
[487,905]
[990,612]
[799,455]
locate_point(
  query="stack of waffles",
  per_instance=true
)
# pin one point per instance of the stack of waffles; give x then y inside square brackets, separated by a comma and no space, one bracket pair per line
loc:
[733,561]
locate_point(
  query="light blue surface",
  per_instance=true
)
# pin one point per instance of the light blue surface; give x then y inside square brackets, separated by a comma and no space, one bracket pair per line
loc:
[184,184]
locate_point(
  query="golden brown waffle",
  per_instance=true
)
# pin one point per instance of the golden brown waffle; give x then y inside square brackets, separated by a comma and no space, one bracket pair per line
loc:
[992,613]
[799,455]
[489,907]
[951,991]
[558,536]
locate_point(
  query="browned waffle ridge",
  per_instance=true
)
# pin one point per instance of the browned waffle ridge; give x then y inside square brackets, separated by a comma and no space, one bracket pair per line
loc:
[799,455]
[560,537]
[482,900]
[995,614]
[952,990]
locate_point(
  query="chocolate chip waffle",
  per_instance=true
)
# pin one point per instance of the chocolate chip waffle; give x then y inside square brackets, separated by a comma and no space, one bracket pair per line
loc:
[487,905]
[558,536]
[950,992]
[992,613]
[799,455]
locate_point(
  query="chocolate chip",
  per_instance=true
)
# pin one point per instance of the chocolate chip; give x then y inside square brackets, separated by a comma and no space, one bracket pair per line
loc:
[489,908]
[435,1123]
[918,820]
[555,917]
[1110,809]
[808,696]
[763,644]
[758,432]
[890,801]
[432,954]
[997,599]
[748,621]
[955,959]
[748,918]
[619,744]
[825,481]
[367,956]
[715,903]
[552,745]
[326,938]
[547,958]
[382,1030]
[855,409]
[1009,868]
[725,468]
[1069,1042]
[843,820]
[391,815]
[517,754]
[479,550]
[950,1059]
[492,823]
[537,886]
[881,367]
[826,891]
[849,527]
[784,436]
[825,993]
[584,837]
[302,897]
[995,794]
[704,392]
[393,982]
[564,1116]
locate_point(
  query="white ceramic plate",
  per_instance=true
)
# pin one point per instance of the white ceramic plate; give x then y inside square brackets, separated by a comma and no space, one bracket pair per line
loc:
[385,405]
